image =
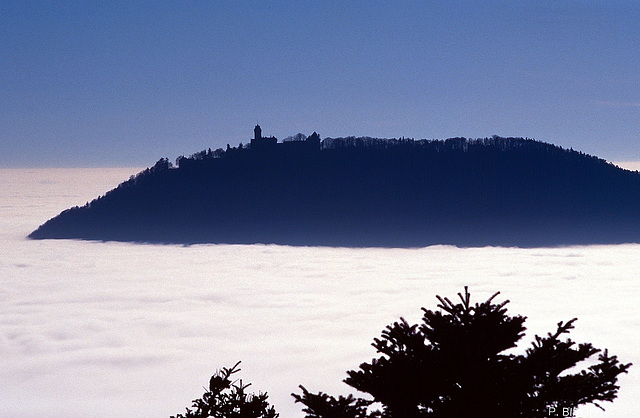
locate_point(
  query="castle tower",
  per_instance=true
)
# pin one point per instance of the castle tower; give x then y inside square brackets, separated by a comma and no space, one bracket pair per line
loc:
[259,142]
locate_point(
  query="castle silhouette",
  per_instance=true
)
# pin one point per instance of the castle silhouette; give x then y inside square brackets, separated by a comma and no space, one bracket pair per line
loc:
[260,143]
[261,147]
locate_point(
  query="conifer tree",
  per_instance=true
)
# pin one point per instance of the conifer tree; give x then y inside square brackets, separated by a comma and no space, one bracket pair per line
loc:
[456,364]
[227,399]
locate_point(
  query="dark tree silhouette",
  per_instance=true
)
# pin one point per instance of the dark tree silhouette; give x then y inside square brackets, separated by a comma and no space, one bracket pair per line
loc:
[323,405]
[227,399]
[456,364]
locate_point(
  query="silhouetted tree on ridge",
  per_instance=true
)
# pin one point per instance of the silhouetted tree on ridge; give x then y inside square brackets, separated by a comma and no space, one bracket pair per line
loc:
[456,364]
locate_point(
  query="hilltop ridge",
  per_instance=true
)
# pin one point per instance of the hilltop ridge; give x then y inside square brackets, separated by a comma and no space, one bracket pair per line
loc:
[368,192]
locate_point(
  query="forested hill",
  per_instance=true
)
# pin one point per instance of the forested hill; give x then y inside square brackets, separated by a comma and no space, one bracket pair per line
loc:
[369,192]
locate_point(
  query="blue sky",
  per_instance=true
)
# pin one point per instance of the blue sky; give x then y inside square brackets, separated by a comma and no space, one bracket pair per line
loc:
[89,83]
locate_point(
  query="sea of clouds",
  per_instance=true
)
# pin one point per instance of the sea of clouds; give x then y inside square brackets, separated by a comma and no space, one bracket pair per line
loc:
[117,329]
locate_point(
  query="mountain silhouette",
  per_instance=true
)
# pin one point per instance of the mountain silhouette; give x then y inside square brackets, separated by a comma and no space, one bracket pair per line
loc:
[362,192]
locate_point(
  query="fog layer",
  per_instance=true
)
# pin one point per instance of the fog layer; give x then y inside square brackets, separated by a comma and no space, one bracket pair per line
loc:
[114,329]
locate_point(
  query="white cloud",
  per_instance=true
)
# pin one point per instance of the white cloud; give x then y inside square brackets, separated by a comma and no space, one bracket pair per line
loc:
[112,329]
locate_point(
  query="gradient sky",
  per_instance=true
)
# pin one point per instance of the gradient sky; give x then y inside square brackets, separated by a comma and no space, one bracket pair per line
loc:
[89,83]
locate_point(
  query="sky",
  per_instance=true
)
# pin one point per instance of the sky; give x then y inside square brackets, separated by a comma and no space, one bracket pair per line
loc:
[100,84]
